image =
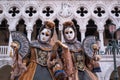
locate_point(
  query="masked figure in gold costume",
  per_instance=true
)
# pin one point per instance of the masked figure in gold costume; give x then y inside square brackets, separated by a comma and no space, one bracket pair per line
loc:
[40,50]
[81,72]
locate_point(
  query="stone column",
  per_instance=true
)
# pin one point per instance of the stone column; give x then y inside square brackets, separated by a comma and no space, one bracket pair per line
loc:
[100,30]
[102,48]
[60,31]
[29,31]
[82,23]
[82,34]
[12,27]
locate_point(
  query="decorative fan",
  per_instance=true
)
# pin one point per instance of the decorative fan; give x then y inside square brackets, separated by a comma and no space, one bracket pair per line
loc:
[88,45]
[23,42]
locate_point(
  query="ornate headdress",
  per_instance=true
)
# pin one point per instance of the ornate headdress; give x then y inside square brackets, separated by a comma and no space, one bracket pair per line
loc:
[48,24]
[68,23]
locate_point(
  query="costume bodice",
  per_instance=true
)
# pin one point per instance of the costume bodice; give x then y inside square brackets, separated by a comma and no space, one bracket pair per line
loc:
[79,60]
[41,50]
[78,56]
[42,57]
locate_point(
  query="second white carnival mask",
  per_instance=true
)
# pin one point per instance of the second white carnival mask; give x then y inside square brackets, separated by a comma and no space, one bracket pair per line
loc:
[69,33]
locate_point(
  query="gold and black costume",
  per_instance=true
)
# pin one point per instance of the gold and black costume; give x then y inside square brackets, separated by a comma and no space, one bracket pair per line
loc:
[78,56]
[82,73]
[36,59]
[37,68]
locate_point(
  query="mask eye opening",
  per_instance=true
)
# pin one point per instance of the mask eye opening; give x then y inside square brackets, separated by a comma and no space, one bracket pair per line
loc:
[42,33]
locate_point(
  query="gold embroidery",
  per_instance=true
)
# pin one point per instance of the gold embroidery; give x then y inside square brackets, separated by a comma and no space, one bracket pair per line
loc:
[42,58]
[79,63]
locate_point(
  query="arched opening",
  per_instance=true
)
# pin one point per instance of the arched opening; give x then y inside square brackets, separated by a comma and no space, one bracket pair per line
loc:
[77,28]
[4,33]
[91,29]
[118,36]
[113,74]
[21,26]
[36,28]
[106,33]
[57,31]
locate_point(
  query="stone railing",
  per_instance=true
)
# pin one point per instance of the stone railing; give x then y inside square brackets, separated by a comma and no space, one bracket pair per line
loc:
[109,51]
[3,50]
[5,58]
[4,54]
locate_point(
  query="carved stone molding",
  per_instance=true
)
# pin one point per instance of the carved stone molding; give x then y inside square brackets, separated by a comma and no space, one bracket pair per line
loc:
[65,10]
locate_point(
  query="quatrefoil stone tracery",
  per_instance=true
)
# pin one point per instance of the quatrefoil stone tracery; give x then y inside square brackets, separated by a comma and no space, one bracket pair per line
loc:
[13,11]
[48,11]
[30,11]
[82,11]
[99,11]
[116,11]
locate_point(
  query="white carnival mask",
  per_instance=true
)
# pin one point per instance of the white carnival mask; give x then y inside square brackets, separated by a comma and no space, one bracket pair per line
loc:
[69,33]
[45,35]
